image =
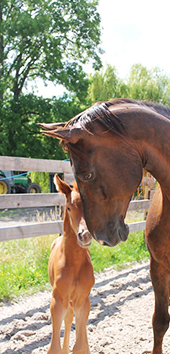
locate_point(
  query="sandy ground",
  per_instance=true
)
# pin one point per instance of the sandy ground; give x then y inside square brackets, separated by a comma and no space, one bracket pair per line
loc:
[120,319]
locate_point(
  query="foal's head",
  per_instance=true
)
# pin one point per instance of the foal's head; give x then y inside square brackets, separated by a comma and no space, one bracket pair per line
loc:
[74,210]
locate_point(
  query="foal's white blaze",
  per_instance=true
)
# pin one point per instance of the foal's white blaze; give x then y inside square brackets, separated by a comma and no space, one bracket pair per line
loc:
[84,238]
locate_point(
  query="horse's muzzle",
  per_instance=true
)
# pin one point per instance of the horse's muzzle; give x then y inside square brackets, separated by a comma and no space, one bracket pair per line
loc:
[123,231]
[112,235]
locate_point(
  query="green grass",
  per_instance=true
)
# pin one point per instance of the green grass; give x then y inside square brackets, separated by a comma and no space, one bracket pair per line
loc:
[134,249]
[24,263]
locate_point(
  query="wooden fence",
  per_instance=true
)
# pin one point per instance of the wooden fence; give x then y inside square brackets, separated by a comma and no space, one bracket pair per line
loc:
[12,201]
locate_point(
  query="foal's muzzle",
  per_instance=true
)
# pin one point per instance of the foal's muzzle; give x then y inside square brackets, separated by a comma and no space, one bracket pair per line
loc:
[84,238]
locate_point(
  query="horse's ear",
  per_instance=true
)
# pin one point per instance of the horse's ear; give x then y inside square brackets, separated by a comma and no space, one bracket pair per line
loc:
[61,186]
[69,134]
[52,126]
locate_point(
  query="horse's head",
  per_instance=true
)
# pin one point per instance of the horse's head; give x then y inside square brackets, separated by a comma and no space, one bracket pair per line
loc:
[74,217]
[107,168]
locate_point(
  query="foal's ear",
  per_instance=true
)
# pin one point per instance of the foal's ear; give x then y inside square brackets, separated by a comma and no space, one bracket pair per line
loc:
[69,134]
[61,186]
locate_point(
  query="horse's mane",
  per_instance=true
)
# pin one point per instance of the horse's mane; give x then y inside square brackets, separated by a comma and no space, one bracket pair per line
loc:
[157,107]
[100,112]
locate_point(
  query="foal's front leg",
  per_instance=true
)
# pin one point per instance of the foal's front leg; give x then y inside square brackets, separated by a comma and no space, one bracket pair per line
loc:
[160,280]
[81,317]
[57,315]
[68,322]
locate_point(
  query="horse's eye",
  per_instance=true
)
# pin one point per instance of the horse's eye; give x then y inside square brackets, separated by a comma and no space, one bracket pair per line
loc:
[87,177]
[68,209]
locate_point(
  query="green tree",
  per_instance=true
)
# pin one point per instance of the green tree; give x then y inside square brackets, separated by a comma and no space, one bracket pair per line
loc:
[105,84]
[46,39]
[19,133]
[147,84]
[142,84]
[49,40]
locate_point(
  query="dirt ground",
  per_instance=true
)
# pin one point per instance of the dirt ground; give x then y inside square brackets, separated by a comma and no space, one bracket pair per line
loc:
[120,319]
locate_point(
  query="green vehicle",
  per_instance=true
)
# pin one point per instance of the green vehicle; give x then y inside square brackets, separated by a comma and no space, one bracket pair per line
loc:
[15,182]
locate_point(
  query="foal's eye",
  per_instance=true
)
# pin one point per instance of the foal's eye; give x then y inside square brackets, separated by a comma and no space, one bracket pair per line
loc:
[68,209]
[87,177]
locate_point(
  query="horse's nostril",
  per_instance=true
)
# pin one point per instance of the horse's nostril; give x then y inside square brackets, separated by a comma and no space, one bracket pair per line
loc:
[80,236]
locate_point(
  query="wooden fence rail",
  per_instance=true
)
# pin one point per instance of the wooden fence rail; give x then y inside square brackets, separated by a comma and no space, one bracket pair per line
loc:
[38,165]
[12,201]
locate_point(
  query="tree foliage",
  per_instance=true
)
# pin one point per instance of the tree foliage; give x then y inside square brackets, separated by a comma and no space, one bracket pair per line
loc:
[105,84]
[142,84]
[153,85]
[51,40]
[19,131]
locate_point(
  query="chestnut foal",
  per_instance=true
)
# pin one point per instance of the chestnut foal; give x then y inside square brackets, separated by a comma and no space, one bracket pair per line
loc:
[71,275]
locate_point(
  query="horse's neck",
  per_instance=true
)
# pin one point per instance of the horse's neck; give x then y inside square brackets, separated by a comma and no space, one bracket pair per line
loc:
[154,146]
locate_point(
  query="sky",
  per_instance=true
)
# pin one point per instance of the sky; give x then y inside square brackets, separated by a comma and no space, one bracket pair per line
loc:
[132,32]
[136,32]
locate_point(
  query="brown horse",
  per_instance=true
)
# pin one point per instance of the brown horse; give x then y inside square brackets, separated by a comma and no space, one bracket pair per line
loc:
[109,144]
[71,275]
